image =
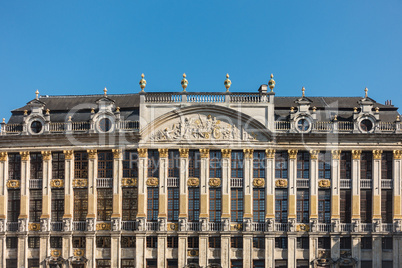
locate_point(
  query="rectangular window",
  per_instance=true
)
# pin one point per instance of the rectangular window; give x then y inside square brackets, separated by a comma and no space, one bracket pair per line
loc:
[173,164]
[215,164]
[56,242]
[386,206]
[129,204]
[303,165]
[324,243]
[172,263]
[258,264]
[105,165]
[57,205]
[237,204]
[365,206]
[105,204]
[193,204]
[130,164]
[13,208]
[79,241]
[33,242]
[103,242]
[35,205]
[215,204]
[36,166]
[346,243]
[281,242]
[80,165]
[152,263]
[57,165]
[11,263]
[281,165]
[128,241]
[346,206]
[33,263]
[387,264]
[194,163]
[173,204]
[281,205]
[346,165]
[236,242]
[259,164]
[153,204]
[367,242]
[103,263]
[303,242]
[12,242]
[236,264]
[387,243]
[386,166]
[237,164]
[172,242]
[153,163]
[152,241]
[259,205]
[214,242]
[14,166]
[127,263]
[368,264]
[324,206]
[366,166]
[302,206]
[324,165]
[302,264]
[259,242]
[193,242]
[80,204]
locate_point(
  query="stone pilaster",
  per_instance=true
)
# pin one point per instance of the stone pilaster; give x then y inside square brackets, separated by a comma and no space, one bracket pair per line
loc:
[115,250]
[3,187]
[46,190]
[182,250]
[247,250]
[68,189]
[140,250]
[25,175]
[203,250]
[67,250]
[314,184]
[90,249]
[117,195]
[313,248]
[377,186]
[225,250]
[269,251]
[44,249]
[162,248]
[335,184]
[397,251]
[204,186]
[183,212]
[292,250]
[292,172]
[356,249]
[270,184]
[22,252]
[163,175]
[377,248]
[3,250]
[92,175]
[397,175]
[336,247]
[356,154]
[142,186]
[248,184]
[226,176]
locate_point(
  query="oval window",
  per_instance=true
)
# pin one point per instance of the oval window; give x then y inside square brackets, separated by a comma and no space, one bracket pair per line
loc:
[36,127]
[105,124]
[366,125]
[303,125]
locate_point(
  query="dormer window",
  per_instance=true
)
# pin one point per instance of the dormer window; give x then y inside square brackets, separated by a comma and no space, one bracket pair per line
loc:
[366,125]
[303,125]
[105,124]
[36,127]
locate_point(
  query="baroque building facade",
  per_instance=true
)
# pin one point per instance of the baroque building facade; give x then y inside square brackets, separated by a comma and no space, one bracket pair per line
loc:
[201,180]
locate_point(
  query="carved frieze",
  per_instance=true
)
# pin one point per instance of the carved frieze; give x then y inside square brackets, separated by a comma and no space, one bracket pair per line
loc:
[324,183]
[129,182]
[214,182]
[57,183]
[281,183]
[152,181]
[13,184]
[80,183]
[258,182]
[193,182]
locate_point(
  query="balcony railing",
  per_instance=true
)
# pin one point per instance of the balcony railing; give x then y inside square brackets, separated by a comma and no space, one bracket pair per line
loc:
[386,227]
[258,226]
[35,184]
[366,227]
[345,227]
[79,225]
[129,125]
[282,125]
[80,126]
[345,126]
[57,127]
[303,183]
[128,225]
[214,226]
[163,97]
[193,226]
[56,226]
[173,182]
[152,226]
[206,97]
[12,226]
[386,184]
[247,98]
[281,227]
[324,227]
[387,126]
[366,184]
[236,182]
[346,184]
[323,126]
[104,183]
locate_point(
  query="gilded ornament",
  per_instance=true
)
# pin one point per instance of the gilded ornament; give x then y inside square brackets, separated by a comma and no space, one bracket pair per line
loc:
[183,152]
[292,153]
[143,82]
[314,154]
[163,152]
[80,183]
[55,253]
[227,83]
[13,184]
[323,254]
[3,156]
[193,182]
[116,153]
[142,152]
[336,154]
[302,228]
[397,154]
[237,227]
[25,112]
[103,226]
[271,83]
[34,227]
[68,154]
[47,111]
[226,153]
[204,153]
[248,153]
[259,182]
[79,252]
[152,181]
[24,156]
[216,133]
[192,253]
[214,182]
[324,183]
[46,155]
[270,153]
[92,154]
[57,183]
[172,226]
[184,82]
[377,154]
[356,154]
[281,183]
[129,182]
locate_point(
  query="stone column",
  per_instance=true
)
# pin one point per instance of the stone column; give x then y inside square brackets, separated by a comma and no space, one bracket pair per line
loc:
[356,154]
[356,249]
[3,188]
[270,186]
[46,191]
[22,259]
[204,185]
[142,186]
[67,250]
[183,213]
[397,174]
[22,252]
[115,257]
[140,250]
[248,185]
[68,191]
[314,186]
[115,249]
[163,175]
[335,185]
[269,251]
[247,250]
[292,250]
[92,175]
[397,251]
[44,250]
[3,250]
[162,248]
[225,250]
[377,250]
[203,250]
[292,172]
[182,250]
[313,248]
[90,249]
[226,176]
[377,189]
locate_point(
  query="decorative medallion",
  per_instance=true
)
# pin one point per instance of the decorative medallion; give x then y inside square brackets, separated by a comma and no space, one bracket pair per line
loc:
[116,153]
[204,153]
[237,227]
[397,154]
[270,153]
[336,154]
[55,253]
[163,152]
[142,152]
[57,183]
[92,154]
[34,227]
[13,184]
[3,156]
[152,181]
[324,183]
[324,254]
[183,152]
[377,154]
[80,183]
[192,253]
[68,154]
[281,183]
[226,153]
[193,182]
[302,228]
[172,226]
[46,155]
[214,182]
[292,153]
[248,153]
[24,156]
[79,252]
[314,154]
[103,226]
[259,182]
[356,154]
[129,182]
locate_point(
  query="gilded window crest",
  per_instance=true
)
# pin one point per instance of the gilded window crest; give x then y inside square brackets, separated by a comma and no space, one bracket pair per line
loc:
[79,252]
[13,184]
[34,227]
[259,182]
[237,227]
[281,183]
[192,253]
[103,226]
[55,253]
[324,183]
[302,228]
[57,183]
[129,182]
[214,182]
[80,183]
[193,182]
[172,227]
[153,182]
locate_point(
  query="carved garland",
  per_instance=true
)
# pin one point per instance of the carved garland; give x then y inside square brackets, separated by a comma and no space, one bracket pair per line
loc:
[214,182]
[193,182]
[281,183]
[57,183]
[152,182]
[129,182]
[324,184]
[259,182]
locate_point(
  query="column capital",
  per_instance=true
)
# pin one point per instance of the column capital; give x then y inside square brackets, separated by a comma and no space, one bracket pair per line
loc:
[163,152]
[142,152]
[183,152]
[24,155]
[314,154]
[377,154]
[292,153]
[68,154]
[46,155]
[248,153]
[204,153]
[356,154]
[92,154]
[336,154]
[397,154]
[270,153]
[226,153]
[117,153]
[3,156]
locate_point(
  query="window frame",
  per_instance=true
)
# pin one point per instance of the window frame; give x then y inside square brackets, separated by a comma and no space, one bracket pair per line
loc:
[80,165]
[281,165]
[193,204]
[215,204]
[152,204]
[303,165]
[215,164]
[105,164]
[236,164]
[237,204]
[104,204]
[281,205]
[173,194]
[259,204]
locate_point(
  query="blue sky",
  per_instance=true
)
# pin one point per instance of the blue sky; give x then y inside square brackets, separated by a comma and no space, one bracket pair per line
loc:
[332,48]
